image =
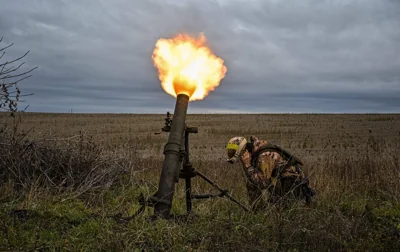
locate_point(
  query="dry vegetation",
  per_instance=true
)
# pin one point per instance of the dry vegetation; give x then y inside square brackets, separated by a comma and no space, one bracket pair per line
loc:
[70,171]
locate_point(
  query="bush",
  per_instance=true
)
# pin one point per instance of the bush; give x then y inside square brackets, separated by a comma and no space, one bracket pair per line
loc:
[78,166]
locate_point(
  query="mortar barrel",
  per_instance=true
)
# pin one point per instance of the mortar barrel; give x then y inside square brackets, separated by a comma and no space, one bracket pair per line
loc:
[171,165]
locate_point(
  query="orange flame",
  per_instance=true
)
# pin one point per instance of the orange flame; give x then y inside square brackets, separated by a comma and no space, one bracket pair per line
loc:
[186,65]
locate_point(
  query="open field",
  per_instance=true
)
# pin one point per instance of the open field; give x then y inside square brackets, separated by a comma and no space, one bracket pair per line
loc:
[352,161]
[306,134]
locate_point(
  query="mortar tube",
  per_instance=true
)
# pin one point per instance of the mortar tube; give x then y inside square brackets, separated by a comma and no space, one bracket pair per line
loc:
[172,162]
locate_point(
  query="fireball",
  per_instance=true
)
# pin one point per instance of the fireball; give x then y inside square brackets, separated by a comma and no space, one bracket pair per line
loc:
[186,65]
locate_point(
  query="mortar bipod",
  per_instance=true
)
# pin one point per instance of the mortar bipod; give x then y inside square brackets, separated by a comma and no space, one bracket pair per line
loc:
[188,172]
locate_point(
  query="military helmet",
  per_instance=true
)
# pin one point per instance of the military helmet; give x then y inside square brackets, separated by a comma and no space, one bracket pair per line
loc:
[234,148]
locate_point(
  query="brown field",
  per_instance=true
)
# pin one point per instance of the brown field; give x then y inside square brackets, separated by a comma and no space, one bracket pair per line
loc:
[351,159]
[317,138]
[310,135]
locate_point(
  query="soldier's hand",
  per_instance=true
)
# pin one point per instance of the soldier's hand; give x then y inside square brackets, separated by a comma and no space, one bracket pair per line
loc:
[230,161]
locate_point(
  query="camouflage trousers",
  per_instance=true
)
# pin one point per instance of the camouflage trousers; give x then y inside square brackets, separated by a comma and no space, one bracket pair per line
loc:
[285,191]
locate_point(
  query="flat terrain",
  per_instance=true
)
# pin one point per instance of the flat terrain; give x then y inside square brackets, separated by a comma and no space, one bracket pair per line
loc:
[306,134]
[352,161]
[318,139]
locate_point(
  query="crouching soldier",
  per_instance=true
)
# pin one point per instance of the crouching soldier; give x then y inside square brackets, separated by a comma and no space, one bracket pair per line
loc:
[269,167]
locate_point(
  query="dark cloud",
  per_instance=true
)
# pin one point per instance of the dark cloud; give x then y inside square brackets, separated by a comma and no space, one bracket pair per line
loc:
[296,56]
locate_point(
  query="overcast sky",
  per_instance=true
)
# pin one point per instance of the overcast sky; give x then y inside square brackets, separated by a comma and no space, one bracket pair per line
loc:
[311,56]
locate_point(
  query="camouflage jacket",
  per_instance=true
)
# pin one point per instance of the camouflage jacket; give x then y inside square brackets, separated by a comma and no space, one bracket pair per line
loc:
[261,174]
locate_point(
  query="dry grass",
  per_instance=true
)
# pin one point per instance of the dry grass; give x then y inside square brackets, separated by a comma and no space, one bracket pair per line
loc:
[318,139]
[352,161]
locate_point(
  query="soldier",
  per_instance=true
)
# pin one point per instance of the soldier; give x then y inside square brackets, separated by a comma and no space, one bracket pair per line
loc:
[270,167]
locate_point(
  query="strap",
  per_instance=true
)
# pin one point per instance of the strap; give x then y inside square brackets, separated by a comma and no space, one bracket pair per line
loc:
[292,159]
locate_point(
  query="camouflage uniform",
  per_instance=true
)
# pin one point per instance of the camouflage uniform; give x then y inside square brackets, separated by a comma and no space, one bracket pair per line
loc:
[262,174]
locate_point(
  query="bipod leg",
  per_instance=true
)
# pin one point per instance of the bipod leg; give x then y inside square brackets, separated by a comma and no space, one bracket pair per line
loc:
[188,173]
[224,193]
[188,195]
